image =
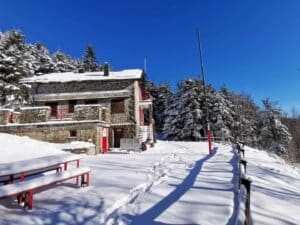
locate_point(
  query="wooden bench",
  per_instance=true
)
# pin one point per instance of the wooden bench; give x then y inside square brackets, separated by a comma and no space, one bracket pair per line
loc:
[24,190]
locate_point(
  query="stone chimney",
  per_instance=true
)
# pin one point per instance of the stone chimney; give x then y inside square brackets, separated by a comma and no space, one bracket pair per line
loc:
[106,69]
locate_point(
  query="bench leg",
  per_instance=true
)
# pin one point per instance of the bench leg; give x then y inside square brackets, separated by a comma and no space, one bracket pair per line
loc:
[28,200]
[88,179]
[20,199]
[65,166]
[85,179]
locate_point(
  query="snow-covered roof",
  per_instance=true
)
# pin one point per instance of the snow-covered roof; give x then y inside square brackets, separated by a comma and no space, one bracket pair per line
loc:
[87,76]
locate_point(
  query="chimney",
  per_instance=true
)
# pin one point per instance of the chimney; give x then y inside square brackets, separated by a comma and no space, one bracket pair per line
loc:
[106,69]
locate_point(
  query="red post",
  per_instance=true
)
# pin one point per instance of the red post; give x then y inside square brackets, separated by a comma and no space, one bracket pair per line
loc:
[11,117]
[209,140]
[65,166]
[20,199]
[30,200]
[22,176]
[77,163]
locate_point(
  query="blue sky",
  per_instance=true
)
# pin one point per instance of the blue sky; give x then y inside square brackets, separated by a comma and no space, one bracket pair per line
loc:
[252,46]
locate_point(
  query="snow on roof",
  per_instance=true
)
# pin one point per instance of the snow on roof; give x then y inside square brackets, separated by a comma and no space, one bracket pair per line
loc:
[72,76]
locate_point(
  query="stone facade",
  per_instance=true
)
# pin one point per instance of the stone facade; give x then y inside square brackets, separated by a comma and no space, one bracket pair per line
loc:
[115,101]
[87,112]
[4,114]
[34,114]
[81,86]
[60,132]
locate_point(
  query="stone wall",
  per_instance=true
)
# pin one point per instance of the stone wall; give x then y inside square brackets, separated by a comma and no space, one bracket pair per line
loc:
[82,86]
[59,132]
[34,114]
[87,112]
[4,114]
[127,129]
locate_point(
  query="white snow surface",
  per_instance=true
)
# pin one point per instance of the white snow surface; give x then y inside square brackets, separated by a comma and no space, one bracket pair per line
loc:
[14,148]
[90,76]
[172,183]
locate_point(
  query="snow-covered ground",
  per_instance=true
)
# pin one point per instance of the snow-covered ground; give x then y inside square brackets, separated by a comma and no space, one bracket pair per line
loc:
[172,183]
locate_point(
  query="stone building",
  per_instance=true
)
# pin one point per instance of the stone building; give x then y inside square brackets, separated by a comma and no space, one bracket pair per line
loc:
[111,104]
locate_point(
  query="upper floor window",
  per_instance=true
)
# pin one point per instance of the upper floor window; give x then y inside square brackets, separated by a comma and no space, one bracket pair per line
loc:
[117,106]
[91,101]
[53,106]
[72,104]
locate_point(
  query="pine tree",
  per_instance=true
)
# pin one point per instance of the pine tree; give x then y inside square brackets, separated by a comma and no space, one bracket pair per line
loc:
[274,136]
[185,114]
[245,115]
[41,59]
[64,63]
[89,62]
[15,63]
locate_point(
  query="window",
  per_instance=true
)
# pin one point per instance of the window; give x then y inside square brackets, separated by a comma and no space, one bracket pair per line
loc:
[73,133]
[91,101]
[117,106]
[72,104]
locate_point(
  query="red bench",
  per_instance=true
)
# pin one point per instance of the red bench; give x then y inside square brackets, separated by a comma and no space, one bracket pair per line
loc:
[24,190]
[21,169]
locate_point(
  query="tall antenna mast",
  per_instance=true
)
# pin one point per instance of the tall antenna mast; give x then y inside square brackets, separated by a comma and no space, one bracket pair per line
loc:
[145,65]
[204,90]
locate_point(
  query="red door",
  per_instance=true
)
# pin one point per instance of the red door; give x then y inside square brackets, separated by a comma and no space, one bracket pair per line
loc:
[104,139]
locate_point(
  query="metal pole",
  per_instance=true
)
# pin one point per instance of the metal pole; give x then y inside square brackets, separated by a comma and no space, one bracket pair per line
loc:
[205,95]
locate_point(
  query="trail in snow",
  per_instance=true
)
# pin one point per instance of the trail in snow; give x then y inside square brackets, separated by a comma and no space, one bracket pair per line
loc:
[189,194]
[156,175]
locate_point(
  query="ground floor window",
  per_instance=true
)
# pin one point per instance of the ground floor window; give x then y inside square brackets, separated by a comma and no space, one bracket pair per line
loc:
[73,133]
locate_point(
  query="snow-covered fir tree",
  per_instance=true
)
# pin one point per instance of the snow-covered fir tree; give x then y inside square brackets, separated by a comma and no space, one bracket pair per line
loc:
[185,114]
[15,63]
[64,63]
[41,59]
[188,114]
[162,101]
[274,136]
[89,61]
[221,115]
[161,97]
[245,116]
[19,60]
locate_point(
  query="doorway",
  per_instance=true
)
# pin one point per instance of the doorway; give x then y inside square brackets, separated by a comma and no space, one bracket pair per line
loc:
[118,134]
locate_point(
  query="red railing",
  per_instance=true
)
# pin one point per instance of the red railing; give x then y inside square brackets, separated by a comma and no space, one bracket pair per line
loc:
[60,114]
[146,95]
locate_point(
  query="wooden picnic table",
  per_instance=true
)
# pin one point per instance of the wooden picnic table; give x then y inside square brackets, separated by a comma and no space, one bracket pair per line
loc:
[20,169]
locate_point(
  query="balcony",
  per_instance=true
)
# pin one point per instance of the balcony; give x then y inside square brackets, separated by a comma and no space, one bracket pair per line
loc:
[146,96]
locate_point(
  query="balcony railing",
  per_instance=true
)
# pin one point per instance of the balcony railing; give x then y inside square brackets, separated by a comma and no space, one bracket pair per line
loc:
[146,95]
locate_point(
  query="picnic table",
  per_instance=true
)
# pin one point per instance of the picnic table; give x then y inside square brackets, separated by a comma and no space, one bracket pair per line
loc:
[14,175]
[21,169]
